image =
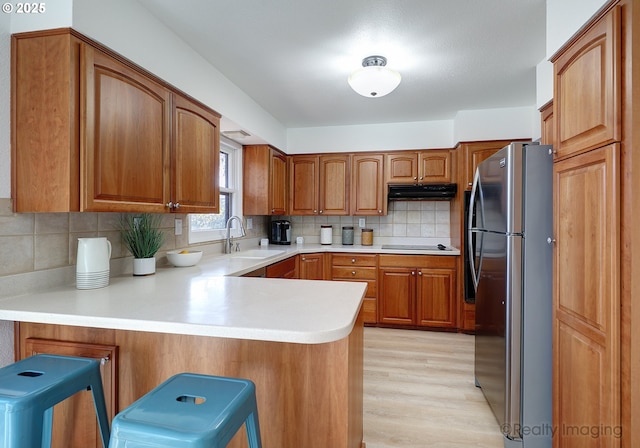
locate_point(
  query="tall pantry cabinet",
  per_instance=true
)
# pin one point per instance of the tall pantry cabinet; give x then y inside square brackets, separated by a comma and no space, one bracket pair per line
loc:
[596,285]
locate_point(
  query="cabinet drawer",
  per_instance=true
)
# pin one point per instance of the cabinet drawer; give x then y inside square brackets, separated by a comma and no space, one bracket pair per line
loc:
[348,272]
[354,260]
[419,261]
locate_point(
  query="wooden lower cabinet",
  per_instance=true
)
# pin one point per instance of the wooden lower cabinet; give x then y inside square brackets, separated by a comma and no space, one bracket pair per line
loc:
[417,290]
[75,423]
[360,268]
[308,395]
[284,269]
[312,267]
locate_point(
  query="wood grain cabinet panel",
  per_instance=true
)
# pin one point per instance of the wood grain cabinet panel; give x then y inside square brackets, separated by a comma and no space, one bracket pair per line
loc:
[417,290]
[312,267]
[284,269]
[429,166]
[127,127]
[195,157]
[586,352]
[75,421]
[359,268]
[587,89]
[264,180]
[85,120]
[304,184]
[319,184]
[368,190]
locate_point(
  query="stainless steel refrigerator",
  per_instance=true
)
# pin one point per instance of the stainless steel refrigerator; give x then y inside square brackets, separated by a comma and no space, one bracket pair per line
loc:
[509,244]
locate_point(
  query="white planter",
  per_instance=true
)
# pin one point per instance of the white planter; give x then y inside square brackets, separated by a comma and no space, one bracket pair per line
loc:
[144,266]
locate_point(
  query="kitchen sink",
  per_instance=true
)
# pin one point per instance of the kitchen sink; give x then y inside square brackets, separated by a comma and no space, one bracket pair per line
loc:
[257,254]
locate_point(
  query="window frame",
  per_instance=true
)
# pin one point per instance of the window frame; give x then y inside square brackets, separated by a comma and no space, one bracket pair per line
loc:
[234,150]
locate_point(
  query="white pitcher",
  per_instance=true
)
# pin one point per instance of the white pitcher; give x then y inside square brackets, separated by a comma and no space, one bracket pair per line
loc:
[93,255]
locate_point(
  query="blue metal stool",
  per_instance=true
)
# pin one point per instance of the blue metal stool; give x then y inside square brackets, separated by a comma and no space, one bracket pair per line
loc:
[189,410]
[31,387]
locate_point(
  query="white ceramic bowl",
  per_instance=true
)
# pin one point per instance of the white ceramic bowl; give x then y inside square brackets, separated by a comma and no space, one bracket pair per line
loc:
[182,260]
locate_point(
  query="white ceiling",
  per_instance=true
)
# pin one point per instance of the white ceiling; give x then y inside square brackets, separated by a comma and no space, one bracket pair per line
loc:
[293,57]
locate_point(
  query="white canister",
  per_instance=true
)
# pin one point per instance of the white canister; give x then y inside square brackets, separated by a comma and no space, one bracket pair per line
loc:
[326,234]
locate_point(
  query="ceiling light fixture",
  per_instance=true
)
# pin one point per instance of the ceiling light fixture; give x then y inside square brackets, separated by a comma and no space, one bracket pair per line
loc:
[374,79]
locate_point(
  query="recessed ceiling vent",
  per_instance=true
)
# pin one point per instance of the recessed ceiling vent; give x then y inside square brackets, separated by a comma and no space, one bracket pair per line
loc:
[239,134]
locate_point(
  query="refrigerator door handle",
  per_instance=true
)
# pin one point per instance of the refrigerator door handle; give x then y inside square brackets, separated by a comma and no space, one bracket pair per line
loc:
[475,270]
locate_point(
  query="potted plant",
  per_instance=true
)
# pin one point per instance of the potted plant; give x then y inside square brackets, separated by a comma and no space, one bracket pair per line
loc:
[142,236]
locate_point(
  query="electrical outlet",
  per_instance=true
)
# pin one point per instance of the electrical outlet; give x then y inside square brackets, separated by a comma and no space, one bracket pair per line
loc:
[178,223]
[361,222]
[249,223]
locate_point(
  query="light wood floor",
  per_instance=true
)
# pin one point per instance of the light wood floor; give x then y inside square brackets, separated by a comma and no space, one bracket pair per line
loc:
[419,392]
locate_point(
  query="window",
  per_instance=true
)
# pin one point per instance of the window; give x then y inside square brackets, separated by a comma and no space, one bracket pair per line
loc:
[211,227]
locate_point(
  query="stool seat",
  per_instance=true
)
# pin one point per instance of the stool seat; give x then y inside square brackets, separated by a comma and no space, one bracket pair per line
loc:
[189,411]
[31,387]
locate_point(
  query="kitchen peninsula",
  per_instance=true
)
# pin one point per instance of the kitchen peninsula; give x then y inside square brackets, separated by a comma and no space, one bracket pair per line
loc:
[300,341]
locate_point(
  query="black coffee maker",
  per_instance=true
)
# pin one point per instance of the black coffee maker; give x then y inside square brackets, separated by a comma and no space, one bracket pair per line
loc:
[280,232]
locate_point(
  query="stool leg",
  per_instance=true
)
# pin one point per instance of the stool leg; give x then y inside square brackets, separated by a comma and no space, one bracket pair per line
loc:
[253,431]
[47,427]
[100,406]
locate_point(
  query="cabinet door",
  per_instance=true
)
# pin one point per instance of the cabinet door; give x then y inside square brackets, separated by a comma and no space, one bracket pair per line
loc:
[312,266]
[278,183]
[547,125]
[396,296]
[436,293]
[195,158]
[283,269]
[75,423]
[434,165]
[587,89]
[477,152]
[368,195]
[334,184]
[126,140]
[304,173]
[586,302]
[401,167]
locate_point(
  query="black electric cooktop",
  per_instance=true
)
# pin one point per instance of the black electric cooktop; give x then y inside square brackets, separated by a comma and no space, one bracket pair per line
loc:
[411,247]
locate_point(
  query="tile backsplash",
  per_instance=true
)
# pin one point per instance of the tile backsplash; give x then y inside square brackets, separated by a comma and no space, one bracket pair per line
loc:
[405,219]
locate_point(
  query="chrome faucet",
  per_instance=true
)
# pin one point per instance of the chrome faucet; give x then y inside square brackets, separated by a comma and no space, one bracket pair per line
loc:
[228,242]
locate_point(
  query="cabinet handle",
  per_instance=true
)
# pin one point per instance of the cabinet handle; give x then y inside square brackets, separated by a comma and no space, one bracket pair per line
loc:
[419,272]
[551,240]
[177,205]
[379,211]
[315,211]
[273,210]
[104,360]
[353,260]
[413,272]
[421,177]
[353,272]
[470,184]
[304,259]
[169,204]
[415,178]
[320,212]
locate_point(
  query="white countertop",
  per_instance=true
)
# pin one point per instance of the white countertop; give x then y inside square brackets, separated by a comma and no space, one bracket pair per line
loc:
[209,300]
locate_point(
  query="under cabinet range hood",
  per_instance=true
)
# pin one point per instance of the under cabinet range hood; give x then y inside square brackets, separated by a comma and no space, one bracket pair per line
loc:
[422,192]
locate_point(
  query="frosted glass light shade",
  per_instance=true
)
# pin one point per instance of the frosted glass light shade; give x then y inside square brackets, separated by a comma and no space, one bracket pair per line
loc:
[374,81]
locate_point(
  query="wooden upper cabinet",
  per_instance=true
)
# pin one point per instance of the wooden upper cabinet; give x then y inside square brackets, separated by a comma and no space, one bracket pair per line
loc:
[304,184]
[587,89]
[434,165]
[472,153]
[102,134]
[195,158]
[547,125]
[45,146]
[126,139]
[334,184]
[319,184]
[368,189]
[401,167]
[264,180]
[431,165]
